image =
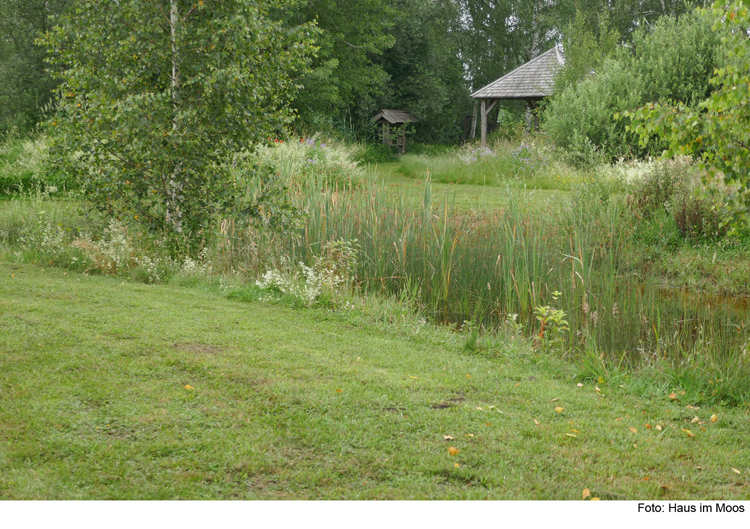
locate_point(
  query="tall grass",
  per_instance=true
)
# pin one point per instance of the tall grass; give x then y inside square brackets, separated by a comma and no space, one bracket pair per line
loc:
[488,267]
[459,268]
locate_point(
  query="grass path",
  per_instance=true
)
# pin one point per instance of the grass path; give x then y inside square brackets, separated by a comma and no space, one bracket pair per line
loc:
[112,390]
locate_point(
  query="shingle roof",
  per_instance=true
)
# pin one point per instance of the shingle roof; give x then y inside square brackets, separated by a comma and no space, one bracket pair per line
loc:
[394,116]
[532,80]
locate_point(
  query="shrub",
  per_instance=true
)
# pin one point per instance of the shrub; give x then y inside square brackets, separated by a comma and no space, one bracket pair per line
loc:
[671,62]
[299,162]
[674,186]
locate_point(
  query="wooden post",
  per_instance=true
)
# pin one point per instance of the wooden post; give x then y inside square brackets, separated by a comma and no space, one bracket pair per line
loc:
[474,122]
[483,111]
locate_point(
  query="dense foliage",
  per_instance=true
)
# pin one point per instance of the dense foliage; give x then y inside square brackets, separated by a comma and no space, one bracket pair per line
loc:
[25,86]
[716,127]
[155,96]
[671,62]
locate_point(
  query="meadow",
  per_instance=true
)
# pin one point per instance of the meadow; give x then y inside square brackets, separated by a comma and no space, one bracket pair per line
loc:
[618,278]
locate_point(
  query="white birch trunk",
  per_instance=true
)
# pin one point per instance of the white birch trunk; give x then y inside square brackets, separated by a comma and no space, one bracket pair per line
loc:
[174,213]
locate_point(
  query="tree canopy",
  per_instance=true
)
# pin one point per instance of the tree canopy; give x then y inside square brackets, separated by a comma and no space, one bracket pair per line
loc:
[156,94]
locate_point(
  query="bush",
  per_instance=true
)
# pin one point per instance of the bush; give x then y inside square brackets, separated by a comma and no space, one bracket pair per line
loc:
[25,167]
[300,162]
[672,62]
[674,187]
[368,153]
[581,118]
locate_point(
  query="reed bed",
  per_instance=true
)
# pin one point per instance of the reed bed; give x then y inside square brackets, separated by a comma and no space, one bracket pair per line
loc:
[489,268]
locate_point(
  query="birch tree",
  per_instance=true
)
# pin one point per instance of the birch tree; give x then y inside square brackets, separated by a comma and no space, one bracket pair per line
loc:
[156,94]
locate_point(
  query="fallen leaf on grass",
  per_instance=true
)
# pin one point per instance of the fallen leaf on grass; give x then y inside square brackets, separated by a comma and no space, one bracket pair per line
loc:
[595,499]
[658,427]
[714,418]
[448,437]
[646,478]
[618,419]
[688,432]
[479,407]
[574,430]
[695,420]
[456,465]
[415,378]
[673,395]
[559,409]
[634,430]
[571,435]
[596,388]
[648,426]
[580,386]
[585,494]
[735,470]
[453,450]
[536,422]
[339,390]
[189,387]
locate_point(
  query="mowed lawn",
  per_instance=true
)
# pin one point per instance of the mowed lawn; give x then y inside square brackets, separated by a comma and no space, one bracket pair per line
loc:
[116,390]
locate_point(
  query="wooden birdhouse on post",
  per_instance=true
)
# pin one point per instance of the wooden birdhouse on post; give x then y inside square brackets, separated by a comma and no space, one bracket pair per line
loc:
[393,126]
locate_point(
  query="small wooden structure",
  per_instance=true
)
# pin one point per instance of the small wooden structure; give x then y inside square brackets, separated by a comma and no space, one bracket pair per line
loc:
[394,119]
[531,82]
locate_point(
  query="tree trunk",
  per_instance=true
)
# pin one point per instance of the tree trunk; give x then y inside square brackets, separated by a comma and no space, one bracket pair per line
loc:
[174,193]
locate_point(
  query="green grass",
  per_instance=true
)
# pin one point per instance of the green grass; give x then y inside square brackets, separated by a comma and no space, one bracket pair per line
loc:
[95,404]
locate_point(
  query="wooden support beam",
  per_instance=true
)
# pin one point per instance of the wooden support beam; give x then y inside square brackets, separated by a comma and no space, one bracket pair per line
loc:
[474,122]
[483,113]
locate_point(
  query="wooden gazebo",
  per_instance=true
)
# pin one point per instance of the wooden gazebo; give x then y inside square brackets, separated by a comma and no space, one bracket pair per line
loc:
[394,118]
[531,82]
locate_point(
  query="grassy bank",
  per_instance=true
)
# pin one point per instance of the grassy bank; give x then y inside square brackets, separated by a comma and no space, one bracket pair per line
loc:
[115,390]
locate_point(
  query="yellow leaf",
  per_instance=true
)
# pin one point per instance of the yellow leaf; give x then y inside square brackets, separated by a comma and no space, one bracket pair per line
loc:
[559,409]
[574,430]
[735,470]
[456,465]
[479,407]
[571,435]
[594,499]
[188,387]
[415,378]
[453,450]
[536,422]
[448,437]
[634,430]
[658,427]
[585,494]
[468,375]
[688,432]
[695,420]
[714,418]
